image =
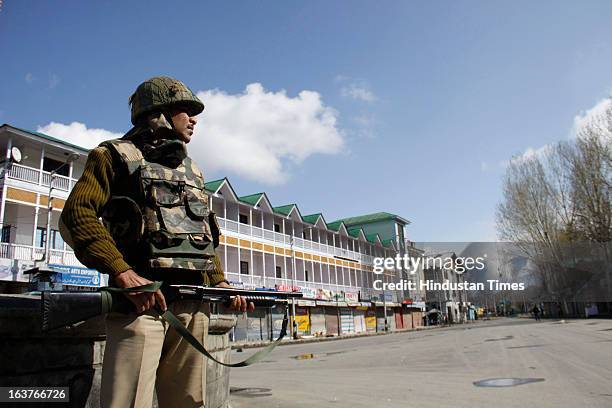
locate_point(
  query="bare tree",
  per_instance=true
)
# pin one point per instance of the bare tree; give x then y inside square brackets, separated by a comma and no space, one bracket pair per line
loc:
[561,196]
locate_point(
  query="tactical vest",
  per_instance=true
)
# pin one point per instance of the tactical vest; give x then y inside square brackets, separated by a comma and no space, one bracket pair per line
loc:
[158,216]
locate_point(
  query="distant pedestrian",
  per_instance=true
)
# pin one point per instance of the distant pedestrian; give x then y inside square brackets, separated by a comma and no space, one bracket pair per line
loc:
[536,313]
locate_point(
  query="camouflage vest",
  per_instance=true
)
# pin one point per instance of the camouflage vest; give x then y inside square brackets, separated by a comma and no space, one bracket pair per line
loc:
[159,217]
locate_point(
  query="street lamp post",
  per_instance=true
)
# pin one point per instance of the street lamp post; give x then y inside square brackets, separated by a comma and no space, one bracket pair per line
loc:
[52,176]
[293,271]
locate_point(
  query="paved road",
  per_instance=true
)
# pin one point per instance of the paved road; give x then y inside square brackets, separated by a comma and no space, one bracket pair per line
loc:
[437,368]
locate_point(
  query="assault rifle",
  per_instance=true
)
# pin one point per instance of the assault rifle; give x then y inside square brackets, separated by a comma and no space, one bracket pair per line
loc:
[61,309]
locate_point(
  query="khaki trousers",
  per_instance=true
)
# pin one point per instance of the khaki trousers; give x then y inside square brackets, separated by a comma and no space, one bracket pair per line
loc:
[144,355]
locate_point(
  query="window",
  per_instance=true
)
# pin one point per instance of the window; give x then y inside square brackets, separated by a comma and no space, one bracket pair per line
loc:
[276,227]
[41,234]
[5,236]
[306,275]
[244,268]
[56,239]
[279,272]
[244,219]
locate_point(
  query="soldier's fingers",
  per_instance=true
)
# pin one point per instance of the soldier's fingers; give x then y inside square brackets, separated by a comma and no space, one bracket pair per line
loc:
[150,300]
[236,303]
[161,300]
[138,303]
[243,304]
[251,306]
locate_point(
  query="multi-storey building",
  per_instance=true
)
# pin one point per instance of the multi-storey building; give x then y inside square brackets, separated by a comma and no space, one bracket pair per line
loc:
[262,245]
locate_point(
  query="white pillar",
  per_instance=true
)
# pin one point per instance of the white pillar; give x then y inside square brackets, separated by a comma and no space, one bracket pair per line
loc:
[40,169]
[9,146]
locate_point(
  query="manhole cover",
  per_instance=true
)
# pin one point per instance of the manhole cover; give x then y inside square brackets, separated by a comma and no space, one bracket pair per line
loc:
[505,382]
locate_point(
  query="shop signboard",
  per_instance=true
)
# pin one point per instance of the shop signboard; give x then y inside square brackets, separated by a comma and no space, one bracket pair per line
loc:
[77,276]
[309,293]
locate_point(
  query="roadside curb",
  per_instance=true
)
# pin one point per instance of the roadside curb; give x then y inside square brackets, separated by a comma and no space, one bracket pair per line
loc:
[289,341]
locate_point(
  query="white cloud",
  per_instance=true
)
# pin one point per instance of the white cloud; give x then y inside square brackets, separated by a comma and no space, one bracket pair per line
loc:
[257,134]
[78,134]
[29,78]
[358,92]
[597,117]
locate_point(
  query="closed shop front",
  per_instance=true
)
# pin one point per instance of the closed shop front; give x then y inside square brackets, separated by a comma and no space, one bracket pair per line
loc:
[347,324]
[257,325]
[407,316]
[399,318]
[302,317]
[391,318]
[370,320]
[331,320]
[359,319]
[417,318]
[317,321]
[276,321]
[380,320]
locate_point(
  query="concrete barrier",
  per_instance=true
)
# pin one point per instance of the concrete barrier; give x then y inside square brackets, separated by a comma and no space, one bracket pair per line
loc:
[72,357]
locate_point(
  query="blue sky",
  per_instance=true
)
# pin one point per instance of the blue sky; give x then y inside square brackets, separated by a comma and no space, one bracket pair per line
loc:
[412,107]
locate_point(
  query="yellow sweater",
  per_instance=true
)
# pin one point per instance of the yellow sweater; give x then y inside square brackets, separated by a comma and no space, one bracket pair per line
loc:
[92,243]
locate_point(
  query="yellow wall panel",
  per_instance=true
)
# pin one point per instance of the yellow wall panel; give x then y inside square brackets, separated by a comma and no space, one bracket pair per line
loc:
[231,241]
[20,195]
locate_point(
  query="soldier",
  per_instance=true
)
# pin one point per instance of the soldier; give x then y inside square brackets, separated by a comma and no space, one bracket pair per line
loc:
[157,226]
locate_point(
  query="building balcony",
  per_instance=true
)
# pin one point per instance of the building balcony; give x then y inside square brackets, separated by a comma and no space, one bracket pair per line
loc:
[267,236]
[32,253]
[35,176]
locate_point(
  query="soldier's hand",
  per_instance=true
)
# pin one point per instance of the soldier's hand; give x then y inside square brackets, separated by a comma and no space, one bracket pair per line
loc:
[237,303]
[143,301]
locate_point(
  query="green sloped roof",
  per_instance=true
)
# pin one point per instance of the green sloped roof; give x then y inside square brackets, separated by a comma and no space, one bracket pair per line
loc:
[387,242]
[372,237]
[354,232]
[214,185]
[51,138]
[375,217]
[334,226]
[284,209]
[251,199]
[312,218]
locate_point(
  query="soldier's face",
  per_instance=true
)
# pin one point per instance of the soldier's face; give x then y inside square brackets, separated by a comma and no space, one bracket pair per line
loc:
[183,124]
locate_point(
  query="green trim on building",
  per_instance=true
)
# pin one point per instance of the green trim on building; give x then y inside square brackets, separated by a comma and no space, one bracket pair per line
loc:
[214,185]
[50,138]
[373,238]
[284,209]
[251,199]
[354,232]
[374,217]
[335,226]
[388,242]
[312,218]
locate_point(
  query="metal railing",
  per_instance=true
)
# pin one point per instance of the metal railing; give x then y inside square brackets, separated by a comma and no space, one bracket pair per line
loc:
[285,239]
[32,175]
[31,253]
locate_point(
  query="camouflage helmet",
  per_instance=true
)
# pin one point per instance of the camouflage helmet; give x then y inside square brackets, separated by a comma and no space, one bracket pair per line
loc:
[161,92]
